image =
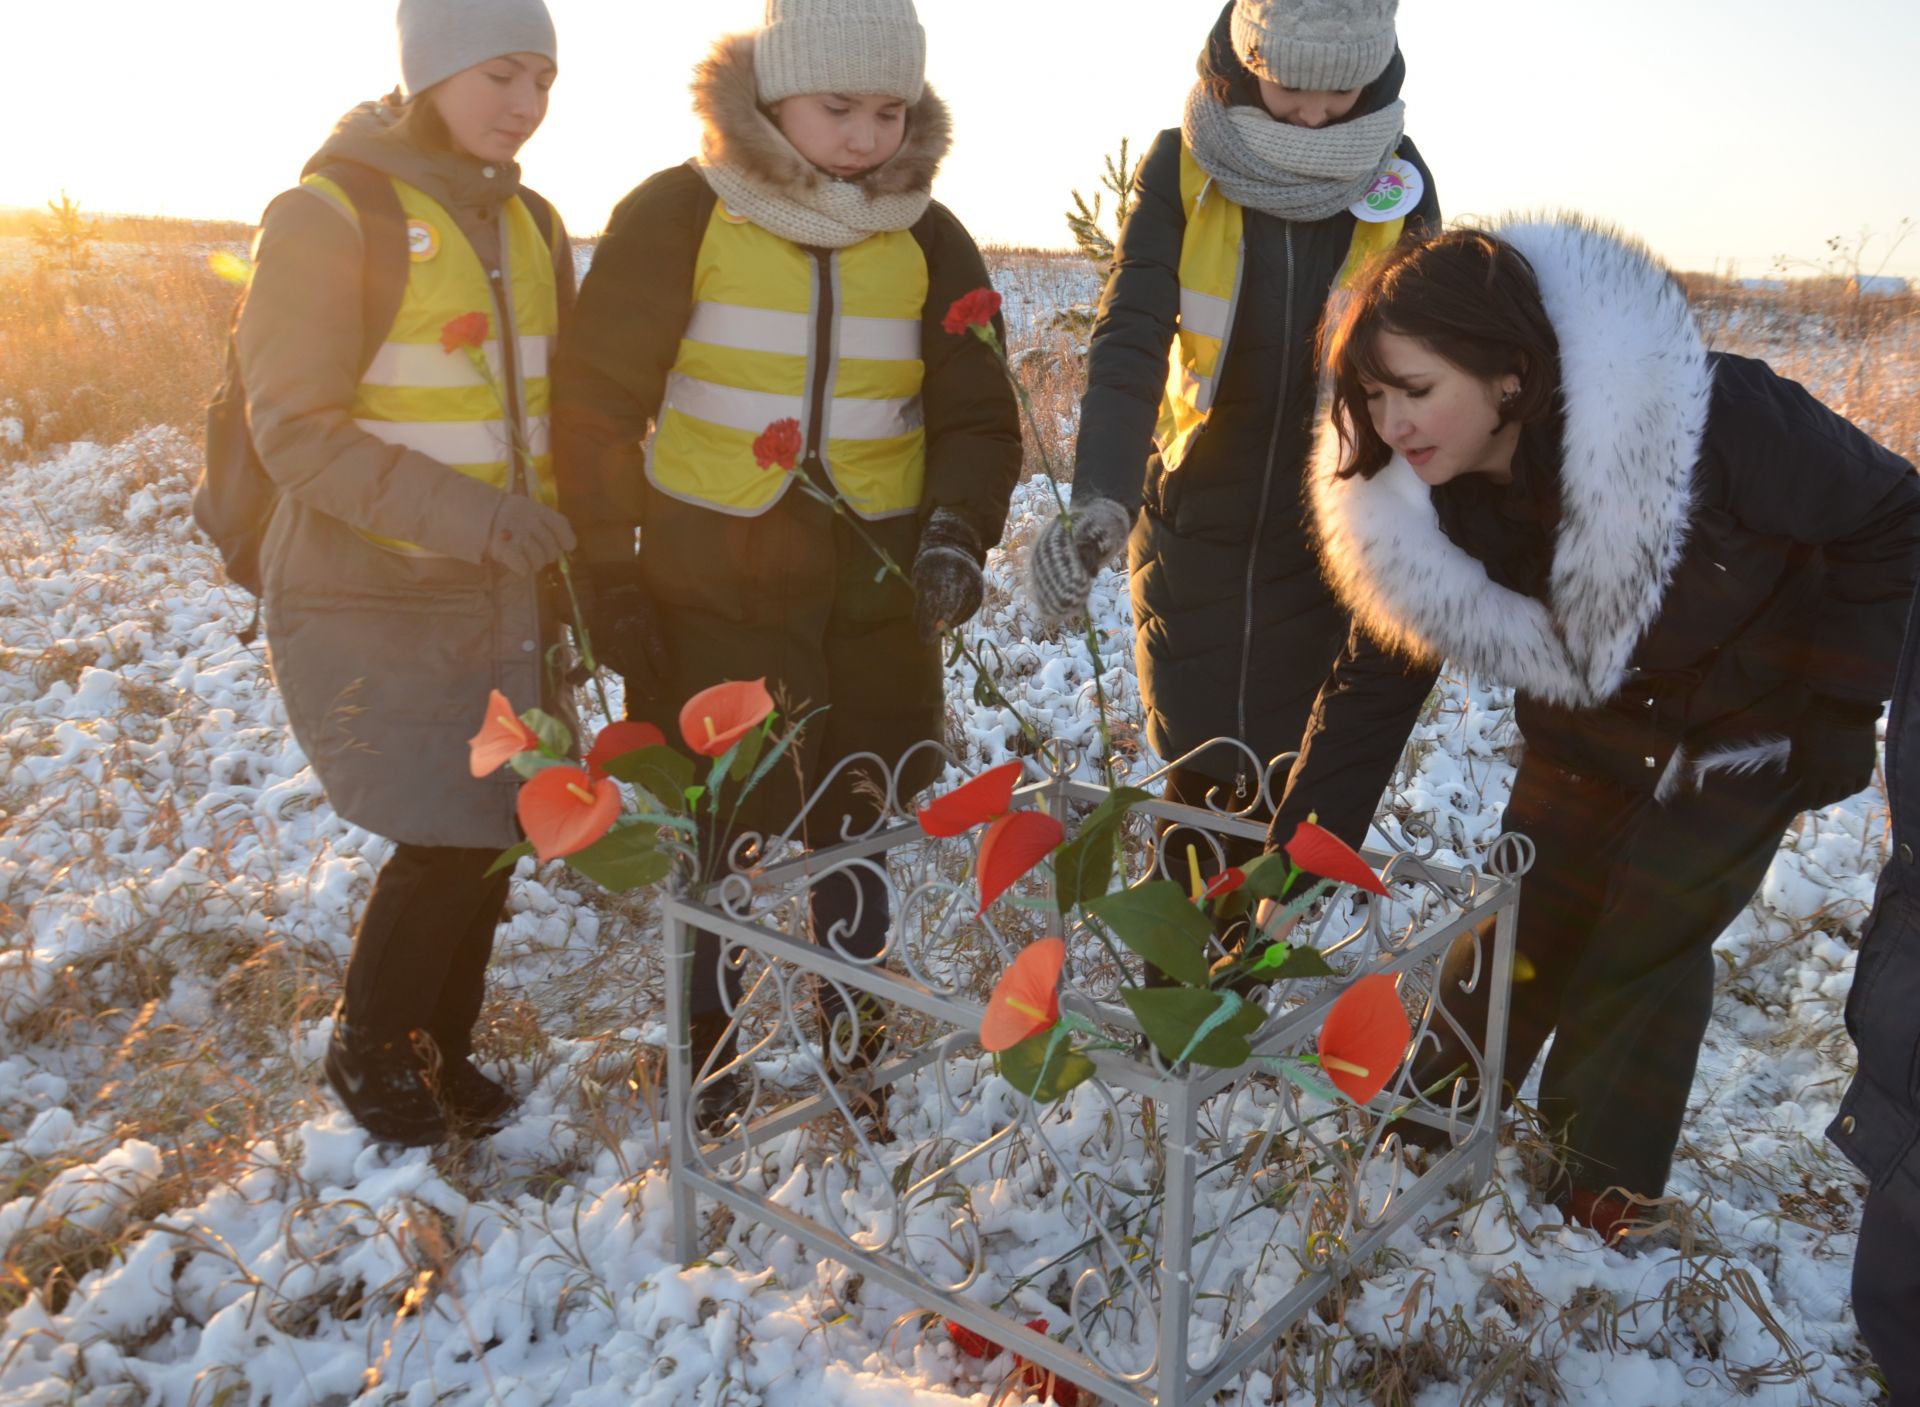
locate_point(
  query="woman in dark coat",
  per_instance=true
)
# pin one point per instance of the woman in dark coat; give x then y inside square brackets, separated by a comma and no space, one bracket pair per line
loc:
[1879,1122]
[1693,574]
[798,272]
[1197,420]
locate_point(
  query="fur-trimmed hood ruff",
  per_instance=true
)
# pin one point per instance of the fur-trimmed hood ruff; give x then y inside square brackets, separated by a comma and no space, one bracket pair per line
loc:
[1635,387]
[738,134]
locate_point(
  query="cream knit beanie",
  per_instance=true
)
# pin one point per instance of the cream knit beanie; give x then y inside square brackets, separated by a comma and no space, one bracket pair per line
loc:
[1329,45]
[840,46]
[439,38]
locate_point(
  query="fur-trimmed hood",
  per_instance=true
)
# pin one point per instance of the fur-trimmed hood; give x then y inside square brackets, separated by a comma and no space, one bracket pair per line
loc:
[738,133]
[1635,387]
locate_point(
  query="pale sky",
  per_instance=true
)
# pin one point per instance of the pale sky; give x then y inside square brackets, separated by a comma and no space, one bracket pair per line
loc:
[1721,131]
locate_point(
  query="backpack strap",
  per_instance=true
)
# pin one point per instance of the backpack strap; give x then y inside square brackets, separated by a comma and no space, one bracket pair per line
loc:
[383,244]
[541,209]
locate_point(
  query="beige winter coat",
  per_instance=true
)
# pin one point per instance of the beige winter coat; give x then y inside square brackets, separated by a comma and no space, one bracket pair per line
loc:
[385,660]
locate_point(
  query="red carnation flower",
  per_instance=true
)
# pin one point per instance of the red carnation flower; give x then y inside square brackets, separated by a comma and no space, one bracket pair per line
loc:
[975,309]
[778,444]
[467,330]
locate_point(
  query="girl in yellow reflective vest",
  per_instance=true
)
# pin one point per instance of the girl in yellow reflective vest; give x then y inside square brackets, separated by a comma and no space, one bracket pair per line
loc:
[1291,166]
[401,561]
[795,274]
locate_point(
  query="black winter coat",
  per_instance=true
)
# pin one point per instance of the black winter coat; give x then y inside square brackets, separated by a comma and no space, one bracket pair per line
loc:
[793,594]
[1879,1122]
[1728,552]
[1234,629]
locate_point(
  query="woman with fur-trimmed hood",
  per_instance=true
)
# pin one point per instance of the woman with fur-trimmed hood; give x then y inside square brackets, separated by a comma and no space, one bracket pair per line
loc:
[1692,573]
[795,274]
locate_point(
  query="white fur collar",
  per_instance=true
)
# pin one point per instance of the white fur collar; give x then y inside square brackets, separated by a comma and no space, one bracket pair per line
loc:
[1635,389]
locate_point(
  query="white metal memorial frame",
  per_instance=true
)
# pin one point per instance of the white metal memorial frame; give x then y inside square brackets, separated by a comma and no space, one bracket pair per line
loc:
[1168,1224]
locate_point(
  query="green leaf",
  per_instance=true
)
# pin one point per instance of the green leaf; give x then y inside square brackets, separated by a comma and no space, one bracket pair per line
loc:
[1269,876]
[1083,867]
[747,752]
[627,858]
[531,764]
[1283,963]
[659,771]
[1173,1016]
[509,858]
[1045,1066]
[693,795]
[556,738]
[1161,924]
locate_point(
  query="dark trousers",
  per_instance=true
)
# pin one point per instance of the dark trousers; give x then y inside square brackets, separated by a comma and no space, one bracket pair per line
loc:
[1615,954]
[1886,1295]
[420,958]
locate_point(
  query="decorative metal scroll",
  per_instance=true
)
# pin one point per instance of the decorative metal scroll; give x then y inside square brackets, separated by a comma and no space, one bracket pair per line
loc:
[1169,1224]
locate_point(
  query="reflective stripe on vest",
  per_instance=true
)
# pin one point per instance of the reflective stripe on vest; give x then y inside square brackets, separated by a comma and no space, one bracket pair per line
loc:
[417,394]
[778,333]
[1212,263]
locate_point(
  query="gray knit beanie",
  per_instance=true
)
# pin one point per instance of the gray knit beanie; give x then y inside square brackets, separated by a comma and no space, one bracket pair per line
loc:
[439,38]
[1329,45]
[840,46]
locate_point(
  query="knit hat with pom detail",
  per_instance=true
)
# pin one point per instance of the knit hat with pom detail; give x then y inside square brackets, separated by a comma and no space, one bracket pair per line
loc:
[840,46]
[1325,45]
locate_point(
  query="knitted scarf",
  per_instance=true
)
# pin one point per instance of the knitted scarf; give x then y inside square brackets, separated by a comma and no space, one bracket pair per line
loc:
[832,215]
[1294,173]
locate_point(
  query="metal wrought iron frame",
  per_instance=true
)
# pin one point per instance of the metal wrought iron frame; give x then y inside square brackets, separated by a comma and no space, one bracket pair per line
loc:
[1362,1203]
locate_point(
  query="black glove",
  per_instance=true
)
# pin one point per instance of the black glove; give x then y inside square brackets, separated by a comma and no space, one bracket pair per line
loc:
[1833,749]
[1061,567]
[626,630]
[947,584]
[526,536]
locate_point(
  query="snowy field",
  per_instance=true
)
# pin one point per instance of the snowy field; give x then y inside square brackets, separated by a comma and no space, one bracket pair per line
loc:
[187,1219]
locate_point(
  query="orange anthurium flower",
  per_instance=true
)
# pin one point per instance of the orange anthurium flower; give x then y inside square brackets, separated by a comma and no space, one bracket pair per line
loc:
[1026,999]
[713,720]
[619,739]
[1364,1037]
[500,738]
[563,810]
[1013,845]
[1323,853]
[985,798]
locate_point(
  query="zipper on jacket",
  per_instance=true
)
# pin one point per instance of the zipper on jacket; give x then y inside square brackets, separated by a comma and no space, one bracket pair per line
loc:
[1241,782]
[824,296]
[520,468]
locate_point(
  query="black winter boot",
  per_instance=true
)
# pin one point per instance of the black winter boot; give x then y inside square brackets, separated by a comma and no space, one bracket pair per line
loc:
[475,1103]
[716,1103]
[382,1085]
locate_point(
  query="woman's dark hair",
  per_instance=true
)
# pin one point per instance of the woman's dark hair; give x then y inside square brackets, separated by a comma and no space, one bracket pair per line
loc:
[1470,297]
[421,122]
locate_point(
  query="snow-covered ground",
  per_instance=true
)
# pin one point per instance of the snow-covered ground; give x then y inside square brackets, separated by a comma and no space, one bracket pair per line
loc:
[189,1220]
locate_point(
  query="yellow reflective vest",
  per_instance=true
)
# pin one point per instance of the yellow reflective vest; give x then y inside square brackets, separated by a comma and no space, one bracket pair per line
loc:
[418,394]
[827,338]
[1212,261]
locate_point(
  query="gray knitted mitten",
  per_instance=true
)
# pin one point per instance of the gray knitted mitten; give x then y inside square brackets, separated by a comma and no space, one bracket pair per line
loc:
[1062,564]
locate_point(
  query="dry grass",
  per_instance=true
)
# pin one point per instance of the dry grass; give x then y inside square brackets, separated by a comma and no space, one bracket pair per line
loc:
[99,353]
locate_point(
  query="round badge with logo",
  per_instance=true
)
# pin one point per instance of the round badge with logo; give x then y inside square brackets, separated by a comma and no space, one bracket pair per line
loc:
[731,216]
[1394,194]
[423,241]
